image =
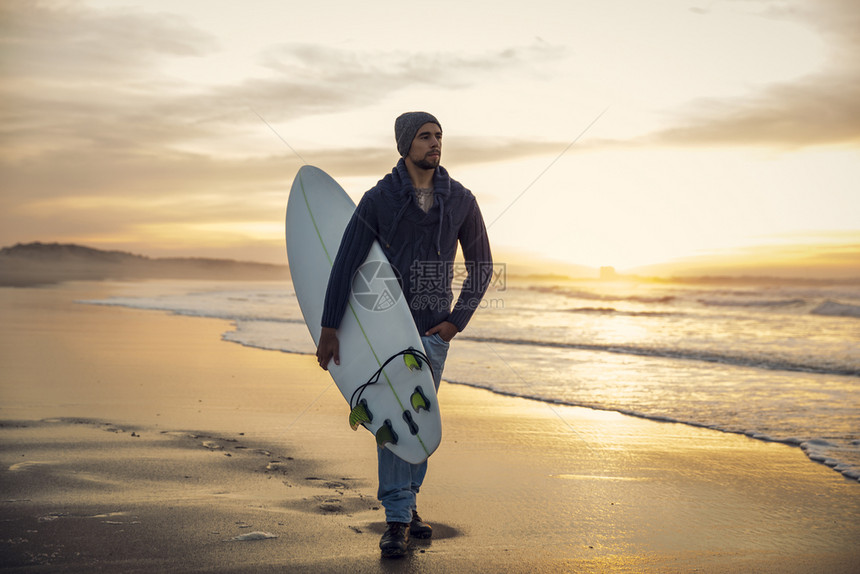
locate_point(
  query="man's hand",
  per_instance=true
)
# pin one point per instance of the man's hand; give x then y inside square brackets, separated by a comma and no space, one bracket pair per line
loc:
[328,348]
[445,329]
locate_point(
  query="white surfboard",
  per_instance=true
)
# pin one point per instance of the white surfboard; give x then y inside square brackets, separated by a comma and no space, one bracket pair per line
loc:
[378,338]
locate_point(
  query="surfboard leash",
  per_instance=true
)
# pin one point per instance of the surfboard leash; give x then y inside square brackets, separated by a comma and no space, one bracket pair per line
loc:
[413,359]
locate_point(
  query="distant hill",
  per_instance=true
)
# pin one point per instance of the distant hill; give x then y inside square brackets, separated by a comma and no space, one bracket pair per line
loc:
[46,263]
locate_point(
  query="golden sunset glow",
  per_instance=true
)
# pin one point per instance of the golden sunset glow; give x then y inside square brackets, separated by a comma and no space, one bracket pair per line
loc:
[656,137]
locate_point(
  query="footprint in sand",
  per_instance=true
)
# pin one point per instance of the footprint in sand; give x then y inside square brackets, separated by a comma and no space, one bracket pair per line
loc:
[331,505]
[277,465]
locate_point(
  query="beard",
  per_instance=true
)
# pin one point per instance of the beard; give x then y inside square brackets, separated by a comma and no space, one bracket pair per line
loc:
[428,164]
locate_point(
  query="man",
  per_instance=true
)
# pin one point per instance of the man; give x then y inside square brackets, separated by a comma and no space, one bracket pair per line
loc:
[418,214]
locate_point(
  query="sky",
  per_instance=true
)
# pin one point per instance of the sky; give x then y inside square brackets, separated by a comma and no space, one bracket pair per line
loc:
[666,137]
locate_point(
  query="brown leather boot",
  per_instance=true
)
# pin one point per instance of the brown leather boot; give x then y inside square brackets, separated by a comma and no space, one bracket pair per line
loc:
[395,540]
[418,528]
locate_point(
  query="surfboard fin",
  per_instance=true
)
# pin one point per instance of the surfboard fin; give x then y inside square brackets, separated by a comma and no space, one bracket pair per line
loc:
[386,434]
[419,400]
[359,415]
[411,361]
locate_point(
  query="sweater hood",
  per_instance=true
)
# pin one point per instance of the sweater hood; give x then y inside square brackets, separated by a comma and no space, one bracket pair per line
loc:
[397,189]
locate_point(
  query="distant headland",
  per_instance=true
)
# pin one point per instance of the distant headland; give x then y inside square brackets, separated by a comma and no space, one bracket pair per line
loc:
[38,263]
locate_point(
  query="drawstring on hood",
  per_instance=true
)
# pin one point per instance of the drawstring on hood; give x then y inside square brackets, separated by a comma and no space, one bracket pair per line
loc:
[441,203]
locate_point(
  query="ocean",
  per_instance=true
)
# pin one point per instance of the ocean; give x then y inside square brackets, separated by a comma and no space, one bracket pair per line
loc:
[774,362]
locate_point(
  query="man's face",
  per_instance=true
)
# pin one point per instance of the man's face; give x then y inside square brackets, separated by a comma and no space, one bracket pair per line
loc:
[426,150]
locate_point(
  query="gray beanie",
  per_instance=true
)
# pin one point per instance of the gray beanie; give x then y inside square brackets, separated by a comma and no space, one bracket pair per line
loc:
[406,127]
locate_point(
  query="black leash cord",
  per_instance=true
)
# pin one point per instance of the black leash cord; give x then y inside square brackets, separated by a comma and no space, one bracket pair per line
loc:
[356,395]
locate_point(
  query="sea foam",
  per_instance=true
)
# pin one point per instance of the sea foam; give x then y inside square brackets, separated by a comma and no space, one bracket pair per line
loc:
[255,536]
[775,363]
[835,309]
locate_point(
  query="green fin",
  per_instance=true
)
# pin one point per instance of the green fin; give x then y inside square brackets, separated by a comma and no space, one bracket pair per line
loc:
[359,415]
[411,361]
[419,400]
[386,434]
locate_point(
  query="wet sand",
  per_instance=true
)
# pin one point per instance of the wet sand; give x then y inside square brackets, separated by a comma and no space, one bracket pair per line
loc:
[137,441]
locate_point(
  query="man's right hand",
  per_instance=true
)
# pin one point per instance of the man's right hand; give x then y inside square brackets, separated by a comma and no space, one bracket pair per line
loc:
[328,347]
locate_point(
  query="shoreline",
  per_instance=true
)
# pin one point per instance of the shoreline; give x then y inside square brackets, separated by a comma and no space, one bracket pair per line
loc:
[807,447]
[821,442]
[512,488]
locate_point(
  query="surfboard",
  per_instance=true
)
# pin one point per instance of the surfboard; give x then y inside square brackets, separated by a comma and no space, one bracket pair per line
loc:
[383,373]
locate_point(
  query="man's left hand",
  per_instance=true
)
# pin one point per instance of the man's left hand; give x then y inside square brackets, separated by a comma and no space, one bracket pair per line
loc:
[446,330]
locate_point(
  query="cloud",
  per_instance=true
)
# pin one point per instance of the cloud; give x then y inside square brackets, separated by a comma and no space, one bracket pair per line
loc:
[822,109]
[88,112]
[121,173]
[314,79]
[74,80]
[368,74]
[124,199]
[93,133]
[819,109]
[50,43]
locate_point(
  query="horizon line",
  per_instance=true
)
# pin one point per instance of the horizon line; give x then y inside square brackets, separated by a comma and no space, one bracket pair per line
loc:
[541,269]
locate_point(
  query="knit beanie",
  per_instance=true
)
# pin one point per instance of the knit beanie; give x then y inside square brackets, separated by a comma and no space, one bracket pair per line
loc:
[406,127]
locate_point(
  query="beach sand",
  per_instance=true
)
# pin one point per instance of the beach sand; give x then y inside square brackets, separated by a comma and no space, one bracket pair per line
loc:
[138,441]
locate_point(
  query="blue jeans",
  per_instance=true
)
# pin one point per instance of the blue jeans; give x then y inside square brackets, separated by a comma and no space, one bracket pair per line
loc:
[399,481]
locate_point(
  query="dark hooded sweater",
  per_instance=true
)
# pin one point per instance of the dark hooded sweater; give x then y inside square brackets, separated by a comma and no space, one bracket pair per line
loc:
[420,247]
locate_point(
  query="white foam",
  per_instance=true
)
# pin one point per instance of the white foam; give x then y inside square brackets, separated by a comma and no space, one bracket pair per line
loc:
[255,536]
[27,465]
[841,458]
[273,336]
[835,309]
[766,362]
